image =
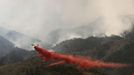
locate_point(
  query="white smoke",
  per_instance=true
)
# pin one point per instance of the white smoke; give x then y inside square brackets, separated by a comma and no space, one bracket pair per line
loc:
[112,10]
[37,18]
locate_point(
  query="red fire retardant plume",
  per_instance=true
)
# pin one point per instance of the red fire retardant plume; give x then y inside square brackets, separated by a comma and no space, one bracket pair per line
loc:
[81,62]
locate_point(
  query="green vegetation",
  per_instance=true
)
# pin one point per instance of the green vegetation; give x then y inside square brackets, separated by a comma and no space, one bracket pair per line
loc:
[109,49]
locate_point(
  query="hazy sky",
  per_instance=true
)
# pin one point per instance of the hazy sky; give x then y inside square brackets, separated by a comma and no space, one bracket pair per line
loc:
[38,17]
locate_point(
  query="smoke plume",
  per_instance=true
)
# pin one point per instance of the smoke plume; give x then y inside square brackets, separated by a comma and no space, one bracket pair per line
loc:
[38,18]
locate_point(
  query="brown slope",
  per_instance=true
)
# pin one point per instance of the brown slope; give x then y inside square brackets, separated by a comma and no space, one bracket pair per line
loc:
[35,67]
